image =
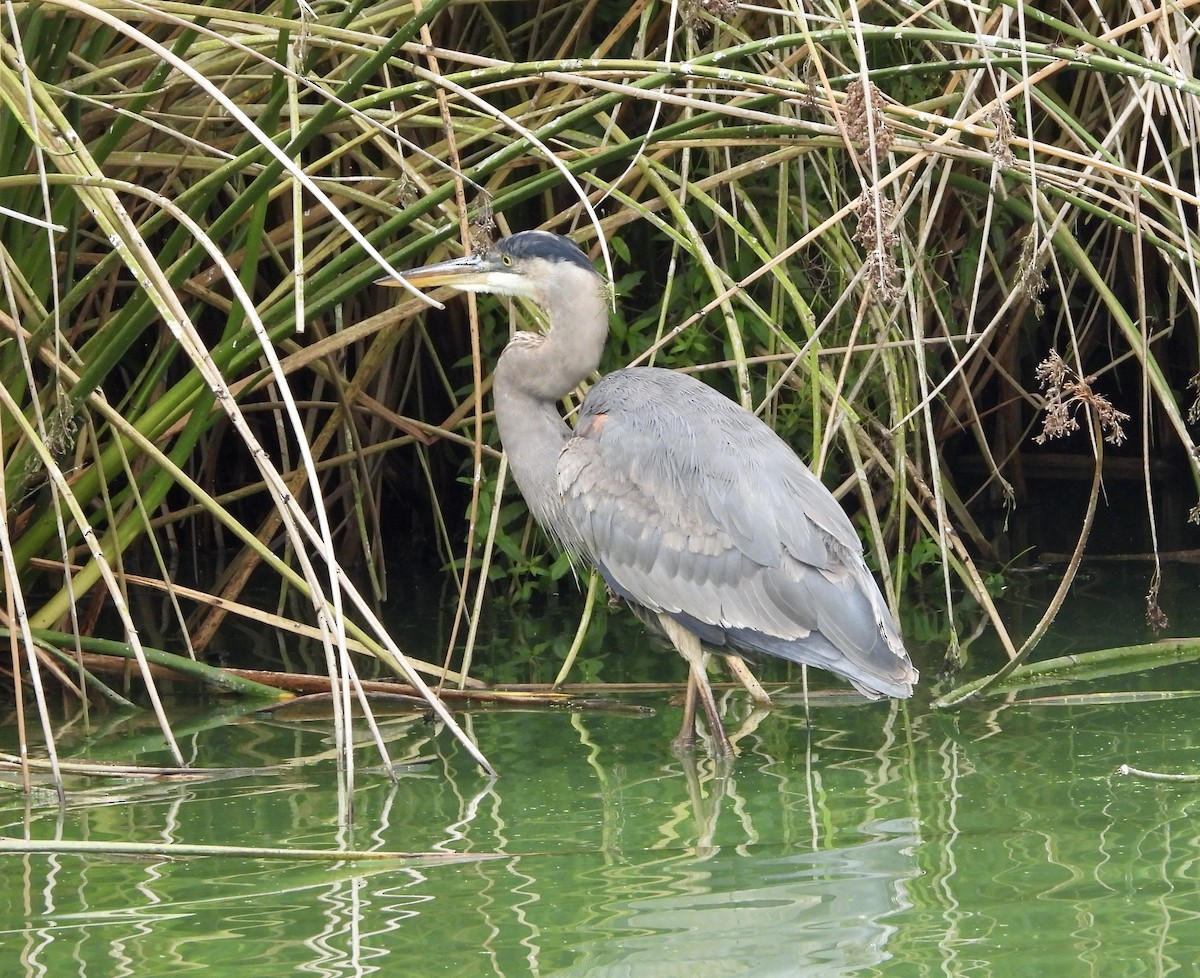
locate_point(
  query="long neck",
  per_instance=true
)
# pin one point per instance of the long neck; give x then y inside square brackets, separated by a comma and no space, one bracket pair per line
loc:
[534,373]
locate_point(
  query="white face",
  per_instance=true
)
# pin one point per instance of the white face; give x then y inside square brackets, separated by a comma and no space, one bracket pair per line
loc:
[498,283]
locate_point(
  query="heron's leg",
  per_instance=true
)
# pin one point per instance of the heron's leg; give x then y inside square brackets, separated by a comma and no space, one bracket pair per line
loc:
[686,738]
[741,672]
[688,645]
[721,745]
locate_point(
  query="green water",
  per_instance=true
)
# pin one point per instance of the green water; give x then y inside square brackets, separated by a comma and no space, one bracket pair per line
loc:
[865,839]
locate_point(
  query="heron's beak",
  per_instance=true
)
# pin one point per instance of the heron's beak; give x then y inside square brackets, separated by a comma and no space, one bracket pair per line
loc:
[470,273]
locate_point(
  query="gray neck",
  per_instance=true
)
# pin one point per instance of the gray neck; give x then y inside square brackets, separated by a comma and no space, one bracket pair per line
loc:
[534,373]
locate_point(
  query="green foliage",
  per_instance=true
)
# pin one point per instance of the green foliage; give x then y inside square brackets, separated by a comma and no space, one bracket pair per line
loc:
[921,559]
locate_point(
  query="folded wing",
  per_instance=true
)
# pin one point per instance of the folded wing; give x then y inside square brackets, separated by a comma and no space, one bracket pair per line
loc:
[690,505]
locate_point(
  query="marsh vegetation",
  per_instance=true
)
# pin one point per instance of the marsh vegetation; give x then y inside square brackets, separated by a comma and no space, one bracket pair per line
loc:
[947,251]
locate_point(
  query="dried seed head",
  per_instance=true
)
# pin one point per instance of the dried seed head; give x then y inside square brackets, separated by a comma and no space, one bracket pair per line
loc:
[876,234]
[483,226]
[1065,392]
[1030,281]
[874,228]
[1156,618]
[694,11]
[884,275]
[866,123]
[62,425]
[1001,118]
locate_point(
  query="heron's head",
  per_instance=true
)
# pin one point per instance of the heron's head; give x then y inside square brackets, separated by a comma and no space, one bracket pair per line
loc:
[532,264]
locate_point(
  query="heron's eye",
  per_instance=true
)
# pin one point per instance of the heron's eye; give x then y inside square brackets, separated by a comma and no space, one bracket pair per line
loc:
[506,260]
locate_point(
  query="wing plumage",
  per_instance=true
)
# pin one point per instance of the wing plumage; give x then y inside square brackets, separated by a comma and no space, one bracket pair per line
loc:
[690,505]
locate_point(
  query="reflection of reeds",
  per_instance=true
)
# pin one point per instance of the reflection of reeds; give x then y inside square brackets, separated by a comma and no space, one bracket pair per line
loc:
[852,228]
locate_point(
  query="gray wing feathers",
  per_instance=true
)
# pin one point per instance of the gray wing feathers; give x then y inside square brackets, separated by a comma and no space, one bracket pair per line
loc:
[690,505]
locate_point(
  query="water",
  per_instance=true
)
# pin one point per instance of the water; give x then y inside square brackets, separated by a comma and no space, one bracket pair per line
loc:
[861,839]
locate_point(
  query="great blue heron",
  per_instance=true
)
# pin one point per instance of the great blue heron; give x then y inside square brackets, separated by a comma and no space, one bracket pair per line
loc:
[690,507]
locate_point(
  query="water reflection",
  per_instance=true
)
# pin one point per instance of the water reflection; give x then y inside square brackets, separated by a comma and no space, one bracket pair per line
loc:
[863,840]
[824,913]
